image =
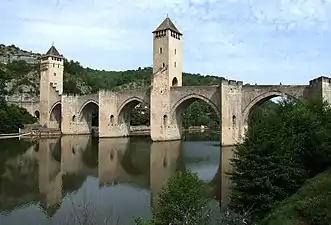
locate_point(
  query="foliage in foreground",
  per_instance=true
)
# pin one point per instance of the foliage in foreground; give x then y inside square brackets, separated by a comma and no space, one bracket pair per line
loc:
[181,201]
[285,148]
[310,205]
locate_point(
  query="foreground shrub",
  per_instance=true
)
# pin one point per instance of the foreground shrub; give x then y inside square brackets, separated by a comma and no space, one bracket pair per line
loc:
[181,201]
[14,117]
[288,145]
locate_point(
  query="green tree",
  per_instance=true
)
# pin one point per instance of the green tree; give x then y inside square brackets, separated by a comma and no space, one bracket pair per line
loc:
[288,145]
[12,117]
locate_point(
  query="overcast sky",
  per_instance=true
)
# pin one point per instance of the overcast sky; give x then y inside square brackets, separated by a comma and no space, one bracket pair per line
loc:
[257,41]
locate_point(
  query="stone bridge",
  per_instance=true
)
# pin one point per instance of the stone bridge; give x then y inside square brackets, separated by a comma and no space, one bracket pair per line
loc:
[167,97]
[232,101]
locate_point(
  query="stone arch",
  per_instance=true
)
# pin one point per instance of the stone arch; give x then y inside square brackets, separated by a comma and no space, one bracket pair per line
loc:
[126,106]
[37,114]
[259,100]
[165,120]
[90,101]
[55,115]
[54,105]
[174,82]
[89,114]
[111,119]
[186,101]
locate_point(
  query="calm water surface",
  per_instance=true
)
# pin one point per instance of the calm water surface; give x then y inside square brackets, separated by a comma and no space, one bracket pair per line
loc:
[58,181]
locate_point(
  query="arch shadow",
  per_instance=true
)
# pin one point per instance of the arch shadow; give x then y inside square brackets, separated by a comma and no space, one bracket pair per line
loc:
[56,150]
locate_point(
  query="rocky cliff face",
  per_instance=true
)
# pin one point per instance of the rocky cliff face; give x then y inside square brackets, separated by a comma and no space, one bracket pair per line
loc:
[12,53]
[21,74]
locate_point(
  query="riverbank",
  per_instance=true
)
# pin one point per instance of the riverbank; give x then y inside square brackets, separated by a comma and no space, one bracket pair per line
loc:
[13,135]
[36,130]
[310,205]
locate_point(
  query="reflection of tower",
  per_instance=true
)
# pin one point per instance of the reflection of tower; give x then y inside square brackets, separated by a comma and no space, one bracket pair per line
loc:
[50,177]
[226,155]
[165,160]
[111,152]
[73,148]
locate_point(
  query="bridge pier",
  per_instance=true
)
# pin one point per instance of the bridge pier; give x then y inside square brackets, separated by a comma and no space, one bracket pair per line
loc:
[110,122]
[76,114]
[231,124]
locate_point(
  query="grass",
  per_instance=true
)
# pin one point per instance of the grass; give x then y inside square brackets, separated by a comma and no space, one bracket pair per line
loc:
[311,205]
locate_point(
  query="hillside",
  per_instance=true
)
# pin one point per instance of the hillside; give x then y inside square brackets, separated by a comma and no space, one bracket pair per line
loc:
[310,205]
[12,53]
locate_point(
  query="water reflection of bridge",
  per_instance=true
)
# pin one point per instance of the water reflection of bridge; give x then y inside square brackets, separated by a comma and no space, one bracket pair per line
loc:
[63,165]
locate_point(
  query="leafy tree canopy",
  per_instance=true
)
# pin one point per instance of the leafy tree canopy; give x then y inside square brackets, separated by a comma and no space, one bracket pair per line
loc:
[284,148]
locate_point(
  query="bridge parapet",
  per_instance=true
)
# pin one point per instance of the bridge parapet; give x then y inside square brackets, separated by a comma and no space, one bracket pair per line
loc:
[231,82]
[319,80]
[19,99]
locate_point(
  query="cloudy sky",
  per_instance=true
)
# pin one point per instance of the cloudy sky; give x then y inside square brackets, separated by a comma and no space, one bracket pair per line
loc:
[257,41]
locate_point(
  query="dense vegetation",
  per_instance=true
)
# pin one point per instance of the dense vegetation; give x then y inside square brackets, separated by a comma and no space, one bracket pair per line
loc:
[310,205]
[283,148]
[12,117]
[79,80]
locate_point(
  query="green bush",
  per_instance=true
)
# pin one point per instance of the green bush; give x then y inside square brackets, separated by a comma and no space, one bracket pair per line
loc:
[14,117]
[280,152]
[182,201]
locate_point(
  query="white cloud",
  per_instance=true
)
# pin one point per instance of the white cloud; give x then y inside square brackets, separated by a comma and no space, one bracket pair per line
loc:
[256,41]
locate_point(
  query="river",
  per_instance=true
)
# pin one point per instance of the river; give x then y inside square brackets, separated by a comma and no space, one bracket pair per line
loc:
[58,181]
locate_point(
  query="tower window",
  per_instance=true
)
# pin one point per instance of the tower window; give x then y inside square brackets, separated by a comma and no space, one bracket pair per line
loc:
[54,74]
[175,51]
[175,64]
[165,120]
[53,64]
[163,65]
[160,50]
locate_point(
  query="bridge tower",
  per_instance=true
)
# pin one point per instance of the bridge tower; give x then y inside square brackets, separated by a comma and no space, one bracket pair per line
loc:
[167,72]
[51,82]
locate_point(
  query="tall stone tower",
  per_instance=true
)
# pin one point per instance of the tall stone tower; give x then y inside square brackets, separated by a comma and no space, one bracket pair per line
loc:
[167,72]
[51,82]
